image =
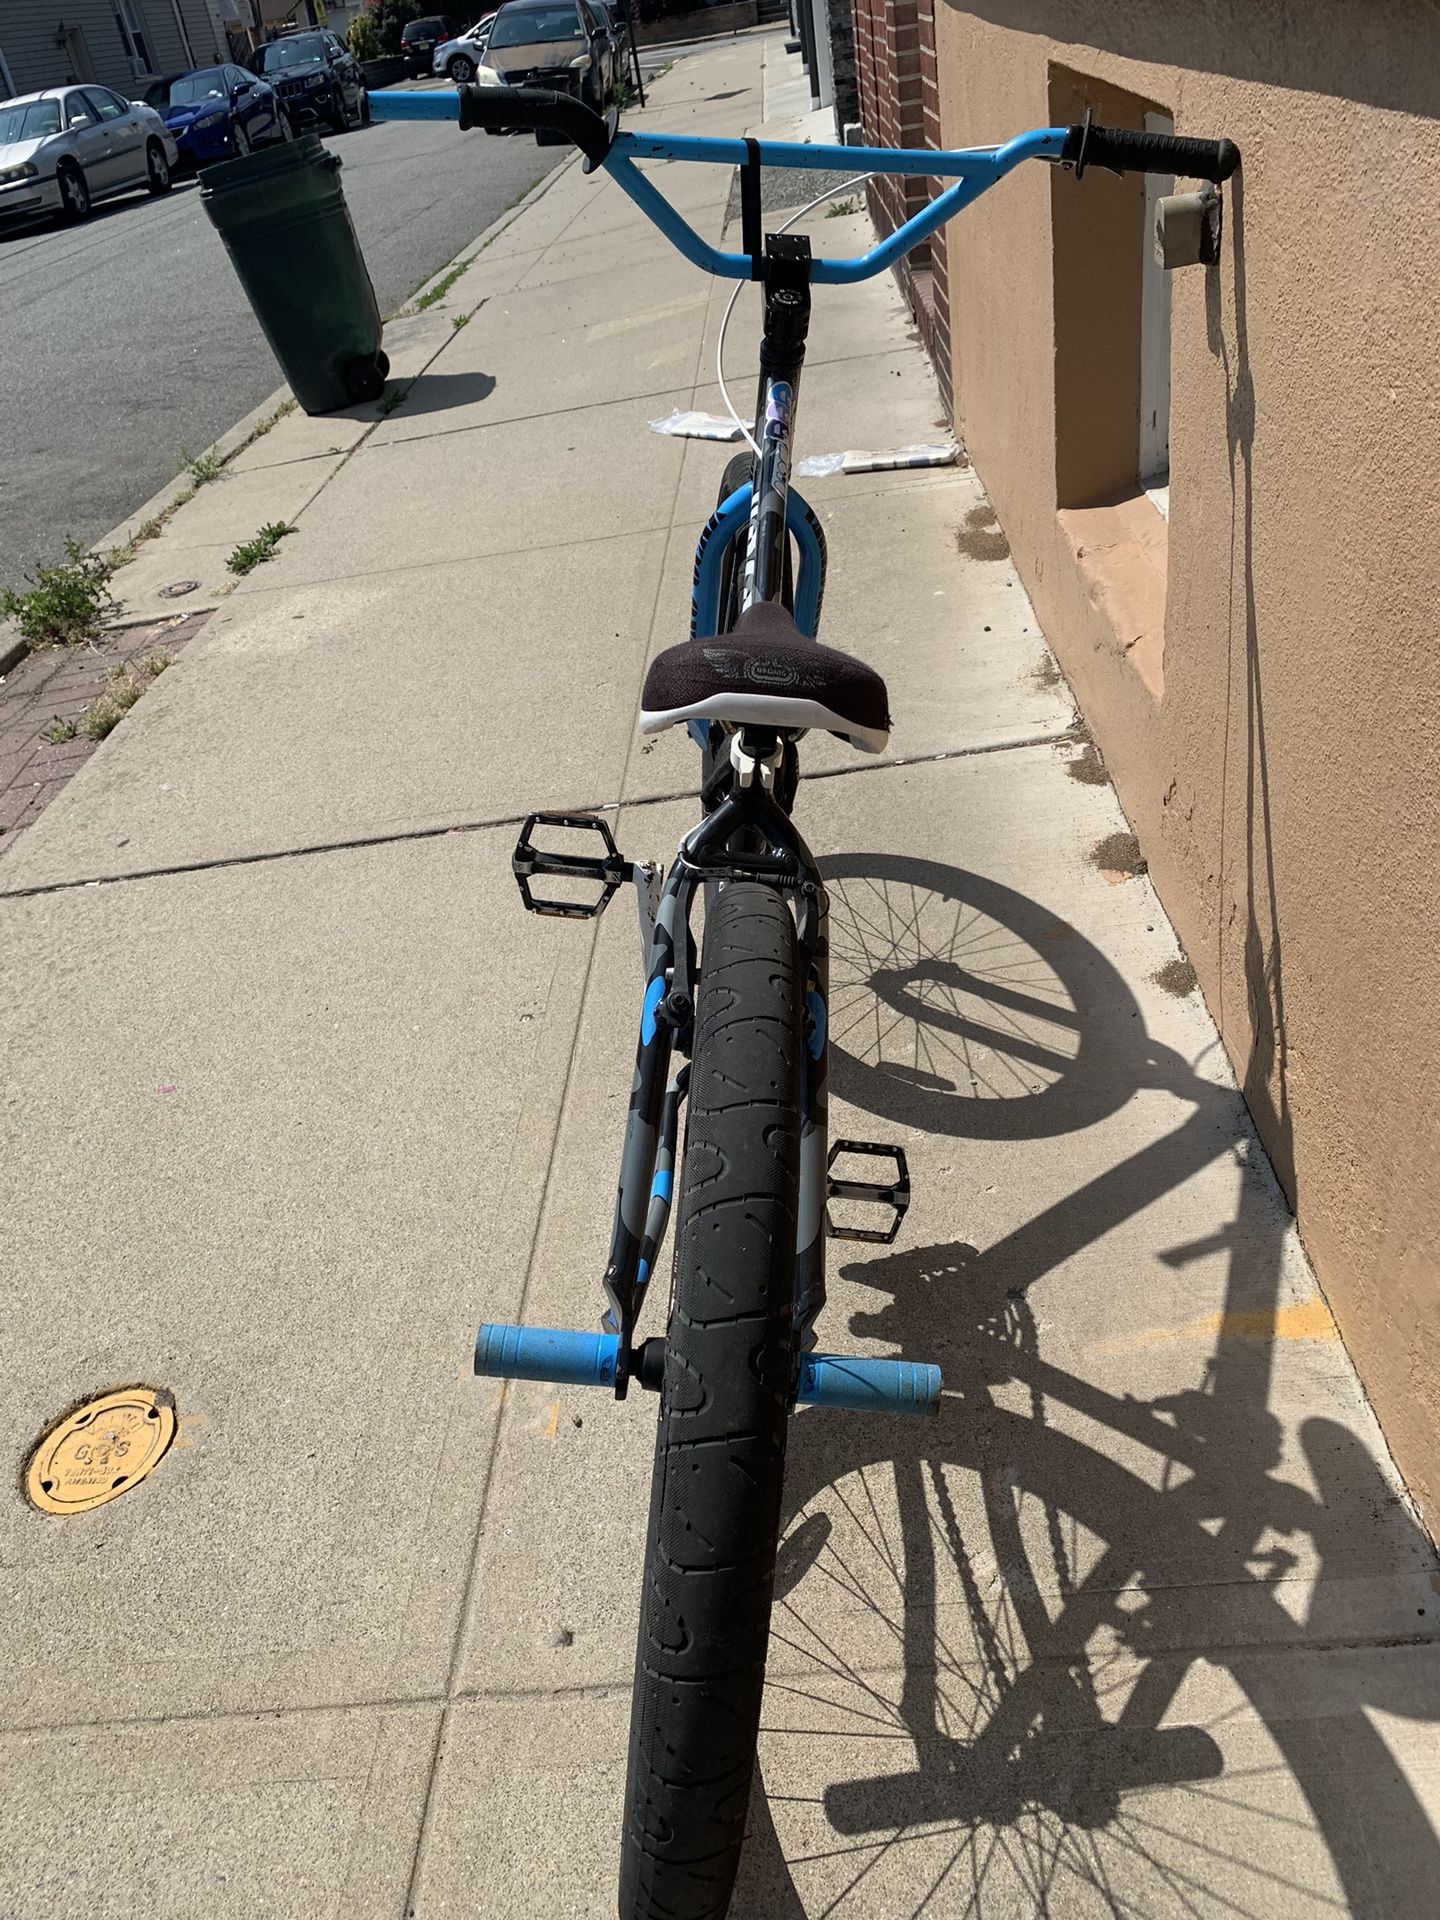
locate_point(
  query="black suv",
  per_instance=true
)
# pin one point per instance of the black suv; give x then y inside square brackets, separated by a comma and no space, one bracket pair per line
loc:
[316,78]
[419,39]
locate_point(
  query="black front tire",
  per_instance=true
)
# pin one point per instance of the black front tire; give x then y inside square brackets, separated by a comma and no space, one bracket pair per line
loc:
[76,204]
[158,177]
[720,1449]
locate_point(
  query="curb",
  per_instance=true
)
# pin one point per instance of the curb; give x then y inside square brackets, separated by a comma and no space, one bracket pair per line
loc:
[14,648]
[225,448]
[496,227]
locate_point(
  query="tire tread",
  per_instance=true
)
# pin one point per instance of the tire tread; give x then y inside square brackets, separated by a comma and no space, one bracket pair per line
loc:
[720,1447]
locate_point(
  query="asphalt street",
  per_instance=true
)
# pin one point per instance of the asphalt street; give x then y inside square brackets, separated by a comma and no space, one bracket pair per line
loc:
[127,344]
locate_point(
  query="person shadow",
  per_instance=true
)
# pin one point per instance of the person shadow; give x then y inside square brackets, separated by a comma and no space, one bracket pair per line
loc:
[1105,1549]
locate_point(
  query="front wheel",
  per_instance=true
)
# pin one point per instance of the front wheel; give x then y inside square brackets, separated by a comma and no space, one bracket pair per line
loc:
[240,140]
[720,1448]
[74,194]
[157,169]
[461,70]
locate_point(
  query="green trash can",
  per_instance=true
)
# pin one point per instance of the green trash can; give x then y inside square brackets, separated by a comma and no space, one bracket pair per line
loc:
[287,229]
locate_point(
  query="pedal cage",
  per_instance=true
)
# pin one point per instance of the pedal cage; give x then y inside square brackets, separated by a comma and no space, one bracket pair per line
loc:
[608,870]
[872,1192]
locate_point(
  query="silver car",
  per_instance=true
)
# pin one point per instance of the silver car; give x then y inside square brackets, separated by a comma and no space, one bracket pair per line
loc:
[66,148]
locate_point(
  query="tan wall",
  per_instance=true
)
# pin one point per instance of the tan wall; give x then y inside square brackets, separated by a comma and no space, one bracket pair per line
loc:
[1261,676]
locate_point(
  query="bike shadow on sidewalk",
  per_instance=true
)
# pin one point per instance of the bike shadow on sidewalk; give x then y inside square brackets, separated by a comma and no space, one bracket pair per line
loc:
[1047,1595]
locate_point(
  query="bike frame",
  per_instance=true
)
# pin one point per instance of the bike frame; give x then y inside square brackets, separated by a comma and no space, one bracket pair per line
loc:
[647,1164]
[749,835]
[767,512]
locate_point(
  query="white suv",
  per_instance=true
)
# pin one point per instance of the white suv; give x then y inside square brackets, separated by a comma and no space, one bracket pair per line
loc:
[459,60]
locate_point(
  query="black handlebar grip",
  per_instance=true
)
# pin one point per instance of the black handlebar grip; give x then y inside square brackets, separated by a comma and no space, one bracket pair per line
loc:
[1130,152]
[533,109]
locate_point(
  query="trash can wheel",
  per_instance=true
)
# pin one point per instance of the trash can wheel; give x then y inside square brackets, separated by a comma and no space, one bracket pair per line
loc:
[365,379]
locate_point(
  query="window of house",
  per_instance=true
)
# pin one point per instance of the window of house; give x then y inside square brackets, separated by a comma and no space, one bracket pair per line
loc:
[1112,378]
[1153,470]
[131,25]
[1112,312]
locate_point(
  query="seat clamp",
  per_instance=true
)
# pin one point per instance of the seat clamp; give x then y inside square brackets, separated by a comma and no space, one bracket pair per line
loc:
[745,764]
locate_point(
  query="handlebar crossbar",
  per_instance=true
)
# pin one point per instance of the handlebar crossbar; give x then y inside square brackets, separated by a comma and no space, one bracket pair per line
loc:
[974,170]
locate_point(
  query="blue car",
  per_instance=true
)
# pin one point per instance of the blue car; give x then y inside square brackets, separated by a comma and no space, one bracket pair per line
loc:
[216,113]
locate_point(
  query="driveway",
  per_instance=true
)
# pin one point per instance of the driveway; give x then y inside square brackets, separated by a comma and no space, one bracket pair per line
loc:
[134,345]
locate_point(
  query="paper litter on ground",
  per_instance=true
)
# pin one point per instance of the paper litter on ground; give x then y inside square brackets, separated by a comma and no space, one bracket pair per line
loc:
[865,460]
[697,426]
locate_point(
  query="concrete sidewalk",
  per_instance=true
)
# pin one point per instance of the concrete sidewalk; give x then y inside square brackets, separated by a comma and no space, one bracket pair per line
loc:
[297,1094]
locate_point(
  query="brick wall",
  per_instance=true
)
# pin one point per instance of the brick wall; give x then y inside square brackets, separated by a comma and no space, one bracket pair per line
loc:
[900,107]
[842,64]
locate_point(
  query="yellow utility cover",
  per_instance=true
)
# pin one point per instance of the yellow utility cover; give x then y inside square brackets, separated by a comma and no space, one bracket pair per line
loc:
[100,1450]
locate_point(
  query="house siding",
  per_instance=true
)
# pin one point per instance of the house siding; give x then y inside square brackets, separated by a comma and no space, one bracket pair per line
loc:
[36,57]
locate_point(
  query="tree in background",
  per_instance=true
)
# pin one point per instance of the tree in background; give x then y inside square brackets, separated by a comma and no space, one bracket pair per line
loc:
[363,37]
[388,17]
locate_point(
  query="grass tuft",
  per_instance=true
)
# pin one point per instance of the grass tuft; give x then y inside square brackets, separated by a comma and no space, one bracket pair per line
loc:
[63,604]
[109,708]
[441,287]
[250,553]
[204,467]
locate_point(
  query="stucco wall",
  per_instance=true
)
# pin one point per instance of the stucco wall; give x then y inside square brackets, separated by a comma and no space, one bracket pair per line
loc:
[1268,710]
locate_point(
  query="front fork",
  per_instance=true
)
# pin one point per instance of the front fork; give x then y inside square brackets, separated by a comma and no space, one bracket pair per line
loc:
[667,1012]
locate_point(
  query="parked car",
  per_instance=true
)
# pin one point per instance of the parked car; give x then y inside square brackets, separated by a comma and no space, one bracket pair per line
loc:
[419,39]
[215,113]
[316,79]
[66,148]
[554,43]
[459,59]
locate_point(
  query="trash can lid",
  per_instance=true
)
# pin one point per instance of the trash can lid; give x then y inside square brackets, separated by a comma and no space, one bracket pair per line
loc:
[266,163]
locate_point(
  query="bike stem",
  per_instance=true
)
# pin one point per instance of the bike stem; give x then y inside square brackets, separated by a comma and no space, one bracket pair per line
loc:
[786,279]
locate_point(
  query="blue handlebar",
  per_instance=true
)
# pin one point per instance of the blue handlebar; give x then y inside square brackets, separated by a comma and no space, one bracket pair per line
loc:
[973,170]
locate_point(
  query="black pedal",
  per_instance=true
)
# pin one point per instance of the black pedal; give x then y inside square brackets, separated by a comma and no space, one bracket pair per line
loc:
[608,870]
[876,1193]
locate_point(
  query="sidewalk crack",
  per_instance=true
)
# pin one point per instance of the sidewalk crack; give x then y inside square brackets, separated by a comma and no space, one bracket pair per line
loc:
[358,842]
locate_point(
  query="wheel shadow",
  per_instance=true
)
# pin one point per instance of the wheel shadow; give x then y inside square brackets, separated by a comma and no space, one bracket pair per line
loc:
[1041,1614]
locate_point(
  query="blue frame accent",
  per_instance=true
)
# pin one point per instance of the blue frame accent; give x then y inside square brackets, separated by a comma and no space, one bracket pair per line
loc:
[654,994]
[729,519]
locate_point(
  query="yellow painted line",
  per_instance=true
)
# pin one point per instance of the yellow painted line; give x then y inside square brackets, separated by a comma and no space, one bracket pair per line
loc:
[1301,1320]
